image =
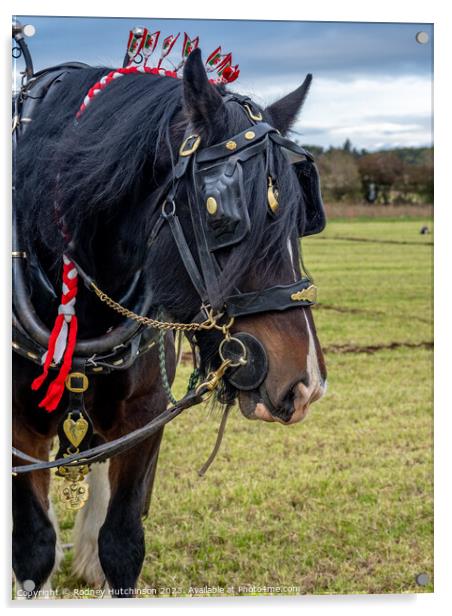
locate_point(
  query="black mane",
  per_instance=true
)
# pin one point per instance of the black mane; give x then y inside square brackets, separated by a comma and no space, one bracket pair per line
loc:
[101,176]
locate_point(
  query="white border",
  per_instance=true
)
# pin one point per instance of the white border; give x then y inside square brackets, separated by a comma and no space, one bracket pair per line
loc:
[435,11]
[347,10]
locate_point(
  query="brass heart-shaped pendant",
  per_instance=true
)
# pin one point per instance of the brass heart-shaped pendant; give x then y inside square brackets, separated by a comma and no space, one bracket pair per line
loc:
[75,430]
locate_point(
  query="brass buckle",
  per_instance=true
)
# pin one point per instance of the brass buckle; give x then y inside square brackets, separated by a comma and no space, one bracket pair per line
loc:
[257,117]
[186,149]
[77,388]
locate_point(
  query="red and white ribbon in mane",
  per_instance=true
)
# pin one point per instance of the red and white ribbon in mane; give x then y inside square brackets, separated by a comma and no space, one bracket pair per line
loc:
[62,339]
[116,74]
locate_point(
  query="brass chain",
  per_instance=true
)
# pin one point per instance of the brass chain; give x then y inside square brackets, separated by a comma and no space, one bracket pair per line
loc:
[209,323]
[213,378]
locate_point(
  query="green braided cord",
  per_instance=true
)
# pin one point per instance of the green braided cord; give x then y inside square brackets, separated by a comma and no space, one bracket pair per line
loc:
[163,372]
[195,376]
[194,379]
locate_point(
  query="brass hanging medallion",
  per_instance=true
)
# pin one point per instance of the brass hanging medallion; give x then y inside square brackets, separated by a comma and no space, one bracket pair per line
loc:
[272,196]
[74,491]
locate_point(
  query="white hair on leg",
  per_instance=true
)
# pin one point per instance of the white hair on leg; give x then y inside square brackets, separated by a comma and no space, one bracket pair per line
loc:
[86,564]
[58,548]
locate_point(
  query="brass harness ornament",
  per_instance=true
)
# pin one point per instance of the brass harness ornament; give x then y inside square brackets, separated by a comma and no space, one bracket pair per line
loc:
[211,205]
[74,492]
[309,294]
[272,196]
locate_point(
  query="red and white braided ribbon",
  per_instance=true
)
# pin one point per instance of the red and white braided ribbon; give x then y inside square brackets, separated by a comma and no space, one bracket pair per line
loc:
[62,339]
[119,72]
[116,74]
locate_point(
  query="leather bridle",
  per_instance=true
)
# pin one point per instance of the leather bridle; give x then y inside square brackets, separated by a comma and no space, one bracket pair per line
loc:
[227,156]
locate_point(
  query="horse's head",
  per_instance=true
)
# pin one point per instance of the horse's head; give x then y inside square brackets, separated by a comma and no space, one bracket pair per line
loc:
[246,196]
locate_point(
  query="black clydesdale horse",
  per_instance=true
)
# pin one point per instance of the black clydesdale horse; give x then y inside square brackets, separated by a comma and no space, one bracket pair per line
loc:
[103,176]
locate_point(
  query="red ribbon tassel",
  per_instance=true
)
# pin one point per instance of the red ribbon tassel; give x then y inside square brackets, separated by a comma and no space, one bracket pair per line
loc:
[62,340]
[56,388]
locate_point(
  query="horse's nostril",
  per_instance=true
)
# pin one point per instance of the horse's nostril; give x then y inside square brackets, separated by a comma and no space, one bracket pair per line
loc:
[287,403]
[285,407]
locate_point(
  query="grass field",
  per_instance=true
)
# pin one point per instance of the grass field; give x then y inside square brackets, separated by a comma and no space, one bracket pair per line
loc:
[343,502]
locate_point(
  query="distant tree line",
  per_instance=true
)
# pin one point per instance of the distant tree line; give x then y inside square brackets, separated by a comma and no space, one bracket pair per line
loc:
[399,175]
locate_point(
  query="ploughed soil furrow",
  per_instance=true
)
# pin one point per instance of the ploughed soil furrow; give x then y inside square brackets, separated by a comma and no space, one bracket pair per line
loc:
[373,348]
[374,240]
[354,348]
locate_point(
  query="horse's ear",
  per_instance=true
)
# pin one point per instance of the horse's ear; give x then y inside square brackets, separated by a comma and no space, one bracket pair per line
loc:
[202,101]
[284,112]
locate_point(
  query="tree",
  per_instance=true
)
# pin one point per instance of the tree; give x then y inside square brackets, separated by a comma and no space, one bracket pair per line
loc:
[339,175]
[385,169]
[347,147]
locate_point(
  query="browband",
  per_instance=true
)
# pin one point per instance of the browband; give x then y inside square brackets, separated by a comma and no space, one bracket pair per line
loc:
[280,297]
[235,144]
[245,139]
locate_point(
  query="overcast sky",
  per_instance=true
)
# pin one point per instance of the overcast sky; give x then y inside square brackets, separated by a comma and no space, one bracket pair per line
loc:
[372,82]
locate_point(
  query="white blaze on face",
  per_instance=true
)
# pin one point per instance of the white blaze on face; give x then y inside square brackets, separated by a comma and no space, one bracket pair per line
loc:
[290,251]
[304,396]
[317,386]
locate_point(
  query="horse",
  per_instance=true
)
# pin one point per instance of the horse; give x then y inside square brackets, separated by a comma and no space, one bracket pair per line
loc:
[103,175]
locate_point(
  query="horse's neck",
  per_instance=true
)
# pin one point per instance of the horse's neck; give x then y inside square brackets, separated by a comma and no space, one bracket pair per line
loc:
[100,251]
[104,265]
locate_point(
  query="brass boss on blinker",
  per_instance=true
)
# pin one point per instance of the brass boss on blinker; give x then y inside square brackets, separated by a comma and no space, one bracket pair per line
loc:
[272,198]
[211,205]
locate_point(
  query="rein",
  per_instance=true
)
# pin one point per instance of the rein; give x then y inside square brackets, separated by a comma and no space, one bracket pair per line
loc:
[103,452]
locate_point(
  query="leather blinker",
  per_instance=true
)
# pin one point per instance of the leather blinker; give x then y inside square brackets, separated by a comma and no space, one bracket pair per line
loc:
[314,214]
[225,216]
[252,374]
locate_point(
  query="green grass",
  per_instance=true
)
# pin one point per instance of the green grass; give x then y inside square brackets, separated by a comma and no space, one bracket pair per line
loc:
[342,503]
[388,286]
